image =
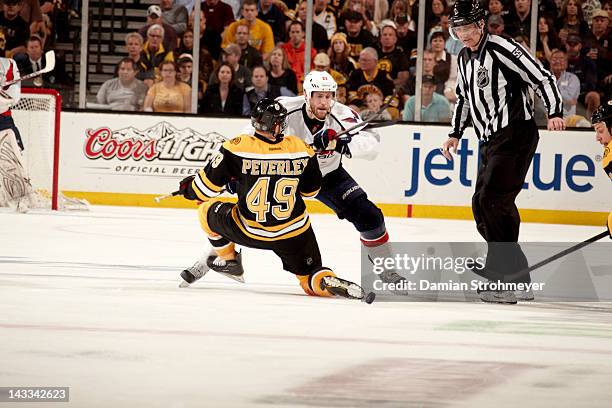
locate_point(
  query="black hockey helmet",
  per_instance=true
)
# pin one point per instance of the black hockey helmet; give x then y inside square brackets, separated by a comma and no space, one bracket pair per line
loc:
[466,12]
[267,114]
[603,114]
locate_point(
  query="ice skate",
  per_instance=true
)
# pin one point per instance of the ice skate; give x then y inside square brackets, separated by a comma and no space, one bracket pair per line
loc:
[498,296]
[342,287]
[193,273]
[524,295]
[232,269]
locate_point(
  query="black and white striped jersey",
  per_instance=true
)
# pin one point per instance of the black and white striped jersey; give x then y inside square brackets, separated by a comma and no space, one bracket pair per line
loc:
[493,87]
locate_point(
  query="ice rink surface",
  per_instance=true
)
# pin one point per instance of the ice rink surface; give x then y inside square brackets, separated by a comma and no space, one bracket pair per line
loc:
[90,301]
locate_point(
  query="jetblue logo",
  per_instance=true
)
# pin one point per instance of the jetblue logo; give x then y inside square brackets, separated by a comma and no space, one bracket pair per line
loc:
[569,172]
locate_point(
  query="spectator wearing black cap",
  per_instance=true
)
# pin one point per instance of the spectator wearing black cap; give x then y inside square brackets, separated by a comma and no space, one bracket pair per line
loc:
[434,107]
[406,37]
[154,16]
[241,75]
[586,70]
[391,58]
[15,28]
[357,36]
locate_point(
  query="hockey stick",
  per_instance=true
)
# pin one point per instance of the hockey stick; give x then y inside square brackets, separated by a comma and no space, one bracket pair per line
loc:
[163,197]
[50,66]
[559,255]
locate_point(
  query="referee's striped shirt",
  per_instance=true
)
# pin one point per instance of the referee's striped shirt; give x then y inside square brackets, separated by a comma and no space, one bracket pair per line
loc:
[493,87]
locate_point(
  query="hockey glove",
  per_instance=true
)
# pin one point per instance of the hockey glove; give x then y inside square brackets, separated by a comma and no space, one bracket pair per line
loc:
[186,190]
[326,140]
[232,186]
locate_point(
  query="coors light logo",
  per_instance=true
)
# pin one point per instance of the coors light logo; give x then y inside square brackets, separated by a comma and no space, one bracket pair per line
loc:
[162,141]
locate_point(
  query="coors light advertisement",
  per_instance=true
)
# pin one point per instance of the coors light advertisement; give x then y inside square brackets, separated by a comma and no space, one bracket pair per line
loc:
[161,150]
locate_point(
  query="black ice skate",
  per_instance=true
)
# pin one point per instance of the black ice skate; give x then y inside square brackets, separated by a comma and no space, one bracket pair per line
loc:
[342,287]
[232,269]
[193,273]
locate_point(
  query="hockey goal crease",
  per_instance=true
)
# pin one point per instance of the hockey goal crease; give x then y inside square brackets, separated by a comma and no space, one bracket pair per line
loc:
[29,179]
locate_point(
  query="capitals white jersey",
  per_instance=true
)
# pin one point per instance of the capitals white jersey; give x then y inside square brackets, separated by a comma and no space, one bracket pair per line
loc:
[9,72]
[364,144]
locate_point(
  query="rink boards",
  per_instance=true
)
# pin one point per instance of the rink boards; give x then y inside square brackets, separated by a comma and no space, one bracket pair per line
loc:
[126,159]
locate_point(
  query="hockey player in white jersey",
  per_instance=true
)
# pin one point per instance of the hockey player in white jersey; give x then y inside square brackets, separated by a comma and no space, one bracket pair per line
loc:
[317,118]
[14,184]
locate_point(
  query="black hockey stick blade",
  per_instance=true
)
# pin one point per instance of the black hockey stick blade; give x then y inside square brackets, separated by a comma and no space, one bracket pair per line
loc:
[559,255]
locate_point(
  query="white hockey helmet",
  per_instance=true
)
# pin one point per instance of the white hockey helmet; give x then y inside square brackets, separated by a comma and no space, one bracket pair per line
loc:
[319,81]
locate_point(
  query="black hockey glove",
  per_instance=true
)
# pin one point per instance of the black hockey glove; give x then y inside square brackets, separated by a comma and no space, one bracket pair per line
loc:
[186,190]
[326,140]
[232,186]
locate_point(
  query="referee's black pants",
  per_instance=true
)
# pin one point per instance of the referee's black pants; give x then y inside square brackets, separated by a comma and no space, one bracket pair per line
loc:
[504,161]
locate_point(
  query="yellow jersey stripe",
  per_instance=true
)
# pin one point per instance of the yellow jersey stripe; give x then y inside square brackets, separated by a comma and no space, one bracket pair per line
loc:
[251,147]
[312,194]
[202,191]
[256,225]
[260,236]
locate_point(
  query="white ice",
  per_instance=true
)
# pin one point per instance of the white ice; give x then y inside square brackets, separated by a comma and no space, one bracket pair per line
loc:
[90,301]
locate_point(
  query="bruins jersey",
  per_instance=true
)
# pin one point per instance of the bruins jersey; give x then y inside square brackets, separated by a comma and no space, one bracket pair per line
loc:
[607,160]
[272,179]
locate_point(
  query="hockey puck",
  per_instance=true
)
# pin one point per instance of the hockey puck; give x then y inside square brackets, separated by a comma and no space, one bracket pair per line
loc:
[370,297]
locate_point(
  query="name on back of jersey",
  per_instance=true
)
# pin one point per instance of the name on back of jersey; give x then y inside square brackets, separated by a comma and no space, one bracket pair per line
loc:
[257,167]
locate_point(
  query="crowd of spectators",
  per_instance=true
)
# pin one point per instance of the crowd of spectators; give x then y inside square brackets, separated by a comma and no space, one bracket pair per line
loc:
[28,28]
[251,49]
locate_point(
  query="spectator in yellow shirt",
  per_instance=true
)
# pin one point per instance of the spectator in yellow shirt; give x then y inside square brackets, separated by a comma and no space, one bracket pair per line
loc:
[169,95]
[260,33]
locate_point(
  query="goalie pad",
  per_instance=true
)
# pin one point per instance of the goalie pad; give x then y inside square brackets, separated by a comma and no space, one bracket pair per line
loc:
[14,182]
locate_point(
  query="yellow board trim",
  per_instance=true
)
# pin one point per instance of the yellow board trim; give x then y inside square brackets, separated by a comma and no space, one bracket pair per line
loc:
[389,210]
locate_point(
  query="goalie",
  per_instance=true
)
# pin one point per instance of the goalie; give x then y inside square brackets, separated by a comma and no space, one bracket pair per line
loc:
[272,172]
[14,184]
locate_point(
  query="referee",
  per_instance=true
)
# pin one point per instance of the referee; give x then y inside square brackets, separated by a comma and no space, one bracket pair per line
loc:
[493,81]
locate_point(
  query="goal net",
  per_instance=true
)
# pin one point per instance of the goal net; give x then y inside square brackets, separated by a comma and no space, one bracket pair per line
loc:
[37,117]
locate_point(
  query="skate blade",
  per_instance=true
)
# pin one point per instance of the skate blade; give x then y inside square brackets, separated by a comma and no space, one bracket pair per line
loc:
[351,289]
[183,284]
[237,278]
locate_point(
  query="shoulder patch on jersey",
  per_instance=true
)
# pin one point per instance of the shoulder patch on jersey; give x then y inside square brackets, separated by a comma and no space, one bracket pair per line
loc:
[236,140]
[517,52]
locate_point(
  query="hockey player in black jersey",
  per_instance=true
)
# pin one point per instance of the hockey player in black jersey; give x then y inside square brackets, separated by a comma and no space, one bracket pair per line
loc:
[273,173]
[602,122]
